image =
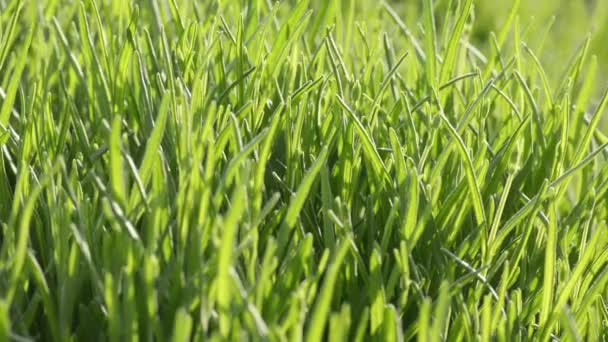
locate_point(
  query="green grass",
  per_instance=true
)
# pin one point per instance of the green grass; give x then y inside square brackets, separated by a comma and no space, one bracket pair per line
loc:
[304,170]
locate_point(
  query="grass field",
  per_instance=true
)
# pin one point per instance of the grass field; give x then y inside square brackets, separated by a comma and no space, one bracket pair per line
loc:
[305,170]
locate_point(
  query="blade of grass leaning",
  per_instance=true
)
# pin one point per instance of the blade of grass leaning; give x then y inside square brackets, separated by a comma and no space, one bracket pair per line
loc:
[584,95]
[368,145]
[117,178]
[543,75]
[586,141]
[449,61]
[225,258]
[502,36]
[11,92]
[23,233]
[151,151]
[549,266]
[8,34]
[474,191]
[575,276]
[430,43]
[297,201]
[290,32]
[320,312]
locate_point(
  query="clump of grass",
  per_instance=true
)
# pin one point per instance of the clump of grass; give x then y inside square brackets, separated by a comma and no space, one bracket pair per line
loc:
[301,170]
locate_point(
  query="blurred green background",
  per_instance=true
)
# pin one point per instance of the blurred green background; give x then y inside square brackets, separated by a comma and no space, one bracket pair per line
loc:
[569,22]
[563,25]
[555,30]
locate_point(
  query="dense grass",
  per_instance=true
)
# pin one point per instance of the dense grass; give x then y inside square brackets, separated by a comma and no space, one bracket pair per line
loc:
[342,170]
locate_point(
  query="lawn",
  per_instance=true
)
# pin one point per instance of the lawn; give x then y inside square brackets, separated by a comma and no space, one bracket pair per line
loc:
[343,170]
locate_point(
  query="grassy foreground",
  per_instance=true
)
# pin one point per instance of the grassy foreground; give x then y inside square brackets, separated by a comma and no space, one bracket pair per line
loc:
[310,170]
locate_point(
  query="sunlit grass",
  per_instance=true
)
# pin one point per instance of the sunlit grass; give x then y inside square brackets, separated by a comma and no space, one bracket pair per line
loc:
[305,170]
